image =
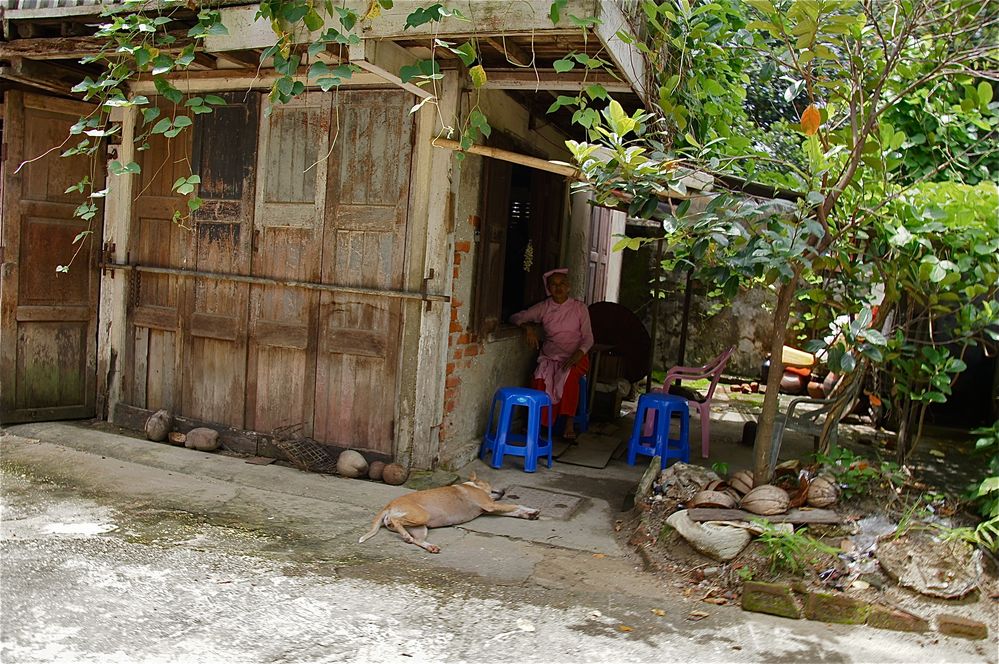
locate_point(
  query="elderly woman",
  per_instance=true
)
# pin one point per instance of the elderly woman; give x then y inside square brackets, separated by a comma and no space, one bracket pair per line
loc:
[565,324]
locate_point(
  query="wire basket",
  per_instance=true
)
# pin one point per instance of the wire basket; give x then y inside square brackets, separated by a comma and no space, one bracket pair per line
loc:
[305,453]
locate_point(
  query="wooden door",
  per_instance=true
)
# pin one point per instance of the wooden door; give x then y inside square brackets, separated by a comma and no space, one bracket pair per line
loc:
[48,320]
[216,309]
[364,242]
[153,373]
[599,253]
[288,231]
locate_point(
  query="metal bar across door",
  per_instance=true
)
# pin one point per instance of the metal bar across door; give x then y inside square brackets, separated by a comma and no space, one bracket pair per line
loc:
[403,295]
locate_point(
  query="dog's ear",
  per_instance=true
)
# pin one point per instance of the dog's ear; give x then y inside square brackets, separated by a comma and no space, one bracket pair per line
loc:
[472,477]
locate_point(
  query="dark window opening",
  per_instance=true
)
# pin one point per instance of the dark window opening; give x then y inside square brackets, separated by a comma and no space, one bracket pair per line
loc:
[519,240]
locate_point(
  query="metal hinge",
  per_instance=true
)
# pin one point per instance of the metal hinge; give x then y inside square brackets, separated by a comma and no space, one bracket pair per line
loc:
[426,287]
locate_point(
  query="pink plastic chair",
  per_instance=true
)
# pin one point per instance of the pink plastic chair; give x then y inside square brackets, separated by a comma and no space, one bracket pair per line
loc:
[702,404]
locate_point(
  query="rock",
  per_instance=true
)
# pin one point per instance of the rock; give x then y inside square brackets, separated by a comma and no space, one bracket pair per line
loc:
[177,438]
[350,463]
[772,598]
[964,628]
[717,541]
[202,439]
[375,470]
[938,569]
[884,617]
[394,474]
[158,425]
[836,609]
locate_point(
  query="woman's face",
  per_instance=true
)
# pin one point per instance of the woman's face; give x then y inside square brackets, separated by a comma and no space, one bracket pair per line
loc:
[558,286]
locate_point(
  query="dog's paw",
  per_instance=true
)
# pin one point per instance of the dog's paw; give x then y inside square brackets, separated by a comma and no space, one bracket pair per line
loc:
[533,514]
[432,548]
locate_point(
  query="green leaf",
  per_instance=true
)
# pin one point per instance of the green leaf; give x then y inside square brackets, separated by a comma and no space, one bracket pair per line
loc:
[478,76]
[215,100]
[162,126]
[984,93]
[563,65]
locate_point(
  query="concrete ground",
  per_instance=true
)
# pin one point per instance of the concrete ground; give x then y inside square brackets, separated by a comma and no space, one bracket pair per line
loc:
[116,549]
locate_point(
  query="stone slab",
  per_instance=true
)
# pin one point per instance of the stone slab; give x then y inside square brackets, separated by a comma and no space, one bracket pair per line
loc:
[885,617]
[964,628]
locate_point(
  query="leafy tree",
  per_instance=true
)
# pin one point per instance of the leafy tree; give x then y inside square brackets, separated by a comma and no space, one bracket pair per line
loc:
[853,65]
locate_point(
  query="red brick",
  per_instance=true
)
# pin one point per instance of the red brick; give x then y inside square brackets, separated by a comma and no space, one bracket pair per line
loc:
[455,326]
[452,381]
[457,353]
[455,302]
[454,315]
[471,349]
[463,247]
[463,339]
[450,368]
[962,627]
[449,406]
[457,259]
[833,608]
[456,272]
[473,220]
[883,617]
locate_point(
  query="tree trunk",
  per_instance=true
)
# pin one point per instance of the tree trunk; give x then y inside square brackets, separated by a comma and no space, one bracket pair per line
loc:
[764,432]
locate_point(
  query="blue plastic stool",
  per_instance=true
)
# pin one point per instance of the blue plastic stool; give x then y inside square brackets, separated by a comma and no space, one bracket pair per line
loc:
[503,443]
[664,406]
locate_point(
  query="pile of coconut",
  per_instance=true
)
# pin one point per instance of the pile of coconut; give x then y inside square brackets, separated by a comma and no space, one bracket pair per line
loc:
[716,516]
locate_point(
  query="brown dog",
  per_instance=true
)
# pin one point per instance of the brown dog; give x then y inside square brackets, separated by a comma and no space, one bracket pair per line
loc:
[411,515]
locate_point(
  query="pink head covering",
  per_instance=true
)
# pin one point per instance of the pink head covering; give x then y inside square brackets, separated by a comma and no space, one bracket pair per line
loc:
[558,270]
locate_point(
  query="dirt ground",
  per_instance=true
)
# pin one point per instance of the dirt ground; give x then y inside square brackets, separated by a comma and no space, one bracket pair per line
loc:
[929,493]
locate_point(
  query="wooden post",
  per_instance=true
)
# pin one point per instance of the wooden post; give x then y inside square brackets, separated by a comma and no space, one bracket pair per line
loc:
[112,309]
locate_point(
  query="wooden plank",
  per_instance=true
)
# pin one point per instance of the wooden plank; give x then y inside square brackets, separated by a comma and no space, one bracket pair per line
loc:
[431,257]
[56,313]
[792,516]
[160,318]
[112,315]
[541,79]
[513,157]
[73,48]
[141,366]
[626,57]
[386,60]
[490,18]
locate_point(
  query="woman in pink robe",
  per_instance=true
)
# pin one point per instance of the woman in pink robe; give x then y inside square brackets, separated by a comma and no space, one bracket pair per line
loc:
[563,359]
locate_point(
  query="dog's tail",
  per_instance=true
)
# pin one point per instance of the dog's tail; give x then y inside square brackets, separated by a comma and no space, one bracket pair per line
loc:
[375,526]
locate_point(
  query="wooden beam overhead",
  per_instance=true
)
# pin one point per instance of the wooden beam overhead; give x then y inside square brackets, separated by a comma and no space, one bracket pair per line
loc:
[42,75]
[548,80]
[487,18]
[386,59]
[68,48]
[247,59]
[513,53]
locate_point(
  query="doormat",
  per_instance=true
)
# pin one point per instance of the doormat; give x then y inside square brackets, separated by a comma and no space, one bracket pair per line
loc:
[559,447]
[592,451]
[552,504]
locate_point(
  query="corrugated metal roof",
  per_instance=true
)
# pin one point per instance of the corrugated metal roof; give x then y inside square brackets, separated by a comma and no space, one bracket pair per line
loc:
[52,4]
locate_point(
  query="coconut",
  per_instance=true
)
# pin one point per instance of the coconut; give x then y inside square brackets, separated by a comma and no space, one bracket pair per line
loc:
[394,474]
[350,463]
[822,492]
[765,500]
[741,481]
[375,470]
[712,499]
[158,425]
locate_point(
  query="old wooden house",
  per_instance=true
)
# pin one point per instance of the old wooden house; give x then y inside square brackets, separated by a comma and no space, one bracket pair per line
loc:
[347,278]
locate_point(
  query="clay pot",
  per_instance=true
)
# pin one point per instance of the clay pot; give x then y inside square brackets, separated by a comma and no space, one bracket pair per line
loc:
[822,492]
[765,500]
[394,474]
[741,481]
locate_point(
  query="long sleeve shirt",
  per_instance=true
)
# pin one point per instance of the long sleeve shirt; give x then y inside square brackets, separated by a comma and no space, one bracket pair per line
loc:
[567,329]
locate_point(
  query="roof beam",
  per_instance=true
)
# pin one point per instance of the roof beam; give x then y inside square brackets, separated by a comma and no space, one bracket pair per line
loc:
[487,18]
[385,59]
[628,59]
[66,48]
[544,79]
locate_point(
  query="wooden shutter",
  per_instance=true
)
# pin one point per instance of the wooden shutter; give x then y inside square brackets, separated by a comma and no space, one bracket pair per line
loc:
[492,245]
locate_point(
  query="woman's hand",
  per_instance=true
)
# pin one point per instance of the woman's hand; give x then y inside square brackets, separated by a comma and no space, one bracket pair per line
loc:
[533,339]
[573,360]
